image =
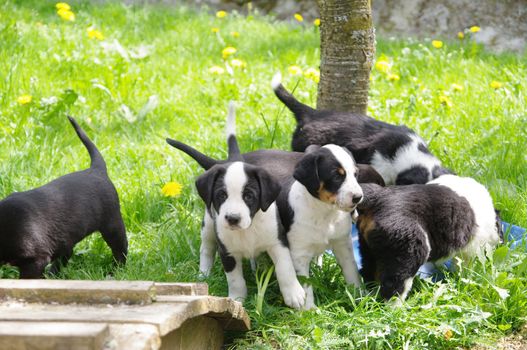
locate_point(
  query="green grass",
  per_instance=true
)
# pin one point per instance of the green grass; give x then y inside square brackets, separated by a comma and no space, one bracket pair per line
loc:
[482,134]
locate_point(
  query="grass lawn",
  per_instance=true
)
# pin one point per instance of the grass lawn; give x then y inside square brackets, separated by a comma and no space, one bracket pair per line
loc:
[150,78]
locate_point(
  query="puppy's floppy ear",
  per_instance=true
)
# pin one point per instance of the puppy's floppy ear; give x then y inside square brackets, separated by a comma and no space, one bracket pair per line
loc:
[312,148]
[368,174]
[205,184]
[306,172]
[269,188]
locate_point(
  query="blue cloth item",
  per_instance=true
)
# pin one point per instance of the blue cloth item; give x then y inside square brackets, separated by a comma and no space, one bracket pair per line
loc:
[513,234]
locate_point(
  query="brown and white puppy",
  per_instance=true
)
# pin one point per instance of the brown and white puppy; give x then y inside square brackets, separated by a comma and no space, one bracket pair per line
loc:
[396,152]
[42,225]
[403,227]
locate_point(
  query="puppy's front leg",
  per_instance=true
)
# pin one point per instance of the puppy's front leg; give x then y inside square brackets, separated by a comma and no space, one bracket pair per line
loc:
[234,273]
[293,293]
[301,262]
[343,250]
[207,250]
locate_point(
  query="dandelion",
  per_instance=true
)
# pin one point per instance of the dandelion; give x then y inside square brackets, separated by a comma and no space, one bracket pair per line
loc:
[215,29]
[457,87]
[383,66]
[496,85]
[461,35]
[171,189]
[63,6]
[445,100]
[95,34]
[235,34]
[474,29]
[313,74]
[66,15]
[221,14]
[393,77]
[24,99]
[229,50]
[298,17]
[316,22]
[217,70]
[294,70]
[437,44]
[238,63]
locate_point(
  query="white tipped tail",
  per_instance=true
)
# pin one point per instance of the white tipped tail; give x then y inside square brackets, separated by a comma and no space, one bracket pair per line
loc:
[231,120]
[277,80]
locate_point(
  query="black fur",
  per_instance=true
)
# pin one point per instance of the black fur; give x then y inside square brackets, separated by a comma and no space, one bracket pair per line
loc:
[43,225]
[361,134]
[393,223]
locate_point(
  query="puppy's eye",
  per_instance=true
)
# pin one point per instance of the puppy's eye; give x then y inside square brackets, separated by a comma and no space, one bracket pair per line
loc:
[221,195]
[248,197]
[340,173]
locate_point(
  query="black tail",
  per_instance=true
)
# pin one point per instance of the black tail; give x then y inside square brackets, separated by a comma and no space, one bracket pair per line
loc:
[300,110]
[204,161]
[97,161]
[232,143]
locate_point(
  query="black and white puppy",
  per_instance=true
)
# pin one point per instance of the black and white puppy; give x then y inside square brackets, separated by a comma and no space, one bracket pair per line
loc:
[402,227]
[315,206]
[43,225]
[399,155]
[242,217]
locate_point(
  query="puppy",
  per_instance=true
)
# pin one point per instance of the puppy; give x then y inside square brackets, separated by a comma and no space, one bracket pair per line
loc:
[315,206]
[242,217]
[43,225]
[402,227]
[396,152]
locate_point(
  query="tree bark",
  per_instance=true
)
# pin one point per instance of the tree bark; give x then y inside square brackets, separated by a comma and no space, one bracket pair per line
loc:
[347,49]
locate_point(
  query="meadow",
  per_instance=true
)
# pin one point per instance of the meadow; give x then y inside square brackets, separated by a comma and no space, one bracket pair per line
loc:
[133,76]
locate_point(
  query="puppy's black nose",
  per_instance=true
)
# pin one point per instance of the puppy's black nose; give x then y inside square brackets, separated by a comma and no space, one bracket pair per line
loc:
[356,198]
[232,219]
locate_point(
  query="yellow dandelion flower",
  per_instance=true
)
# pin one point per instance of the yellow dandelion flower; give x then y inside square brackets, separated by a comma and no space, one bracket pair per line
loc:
[66,15]
[457,87]
[215,29]
[496,84]
[221,14]
[94,34]
[294,70]
[299,17]
[229,50]
[445,100]
[316,22]
[437,44]
[461,35]
[62,6]
[474,29]
[217,70]
[172,189]
[393,77]
[313,74]
[238,63]
[24,99]
[383,66]
[235,34]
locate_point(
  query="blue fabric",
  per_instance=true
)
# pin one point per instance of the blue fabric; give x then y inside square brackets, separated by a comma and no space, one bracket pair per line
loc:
[514,235]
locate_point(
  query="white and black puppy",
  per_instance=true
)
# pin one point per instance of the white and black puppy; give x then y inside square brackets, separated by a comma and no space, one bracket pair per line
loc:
[402,227]
[43,225]
[315,207]
[242,217]
[399,155]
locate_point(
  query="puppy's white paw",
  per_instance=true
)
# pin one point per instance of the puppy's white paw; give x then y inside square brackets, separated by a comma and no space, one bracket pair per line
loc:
[237,297]
[294,296]
[310,305]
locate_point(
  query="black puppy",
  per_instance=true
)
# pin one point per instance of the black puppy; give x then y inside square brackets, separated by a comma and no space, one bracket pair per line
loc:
[43,225]
[398,154]
[402,227]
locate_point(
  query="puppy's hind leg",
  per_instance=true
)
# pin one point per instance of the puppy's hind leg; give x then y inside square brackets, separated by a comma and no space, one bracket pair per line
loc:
[115,236]
[207,249]
[32,268]
[59,263]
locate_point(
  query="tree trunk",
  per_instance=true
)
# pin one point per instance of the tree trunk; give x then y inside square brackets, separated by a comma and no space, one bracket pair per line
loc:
[347,48]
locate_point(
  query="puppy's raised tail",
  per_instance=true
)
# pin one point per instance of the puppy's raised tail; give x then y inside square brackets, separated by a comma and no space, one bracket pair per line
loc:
[301,111]
[97,161]
[204,161]
[232,143]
